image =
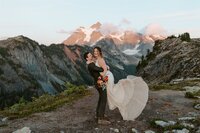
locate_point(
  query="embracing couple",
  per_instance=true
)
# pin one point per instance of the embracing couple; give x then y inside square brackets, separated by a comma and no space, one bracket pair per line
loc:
[129,95]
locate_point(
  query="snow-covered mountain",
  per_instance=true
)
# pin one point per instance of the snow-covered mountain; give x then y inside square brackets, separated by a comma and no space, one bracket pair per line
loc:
[133,51]
[94,33]
[127,41]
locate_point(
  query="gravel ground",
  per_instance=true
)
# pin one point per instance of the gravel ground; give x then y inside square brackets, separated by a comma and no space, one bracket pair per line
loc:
[79,116]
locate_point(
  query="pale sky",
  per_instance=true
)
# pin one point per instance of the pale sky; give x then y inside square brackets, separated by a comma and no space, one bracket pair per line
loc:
[49,21]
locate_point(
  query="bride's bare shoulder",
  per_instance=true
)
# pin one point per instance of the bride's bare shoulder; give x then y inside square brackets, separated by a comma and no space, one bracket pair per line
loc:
[101,60]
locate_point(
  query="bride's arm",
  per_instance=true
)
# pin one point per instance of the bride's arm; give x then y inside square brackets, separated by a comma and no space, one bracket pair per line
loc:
[102,64]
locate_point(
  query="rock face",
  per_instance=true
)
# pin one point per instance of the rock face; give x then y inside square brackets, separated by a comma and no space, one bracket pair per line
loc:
[28,69]
[171,59]
[24,71]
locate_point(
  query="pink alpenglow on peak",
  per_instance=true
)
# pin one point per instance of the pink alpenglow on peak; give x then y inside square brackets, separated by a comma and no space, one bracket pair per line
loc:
[98,31]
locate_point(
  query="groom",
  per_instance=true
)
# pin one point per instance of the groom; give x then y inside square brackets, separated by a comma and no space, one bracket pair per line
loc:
[95,73]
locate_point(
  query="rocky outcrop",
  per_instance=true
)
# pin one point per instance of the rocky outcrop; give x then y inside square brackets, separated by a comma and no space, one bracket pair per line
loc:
[24,72]
[28,69]
[171,59]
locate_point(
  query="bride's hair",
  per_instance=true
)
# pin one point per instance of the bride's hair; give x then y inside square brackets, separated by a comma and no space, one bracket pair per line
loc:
[99,49]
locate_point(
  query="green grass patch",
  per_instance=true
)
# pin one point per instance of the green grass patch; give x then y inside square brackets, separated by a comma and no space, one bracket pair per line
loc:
[45,102]
[176,126]
[190,82]
[192,94]
[165,86]
[3,125]
[179,86]
[196,121]
[3,51]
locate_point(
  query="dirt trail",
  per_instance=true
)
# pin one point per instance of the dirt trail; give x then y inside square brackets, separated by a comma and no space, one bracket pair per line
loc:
[79,116]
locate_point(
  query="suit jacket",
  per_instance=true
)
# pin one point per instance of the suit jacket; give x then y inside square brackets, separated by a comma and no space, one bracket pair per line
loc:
[94,71]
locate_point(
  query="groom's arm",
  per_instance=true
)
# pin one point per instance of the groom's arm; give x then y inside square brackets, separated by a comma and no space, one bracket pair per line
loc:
[95,68]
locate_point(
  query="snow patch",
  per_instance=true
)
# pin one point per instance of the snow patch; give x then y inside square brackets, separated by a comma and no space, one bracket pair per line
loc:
[87,32]
[149,38]
[132,51]
[117,36]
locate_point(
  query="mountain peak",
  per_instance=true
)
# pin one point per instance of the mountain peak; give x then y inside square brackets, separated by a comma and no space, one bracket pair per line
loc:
[96,26]
[16,41]
[19,38]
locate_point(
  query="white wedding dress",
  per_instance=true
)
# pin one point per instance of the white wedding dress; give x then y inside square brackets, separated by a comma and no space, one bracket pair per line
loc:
[129,95]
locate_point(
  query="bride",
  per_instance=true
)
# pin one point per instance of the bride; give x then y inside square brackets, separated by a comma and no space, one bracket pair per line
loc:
[129,95]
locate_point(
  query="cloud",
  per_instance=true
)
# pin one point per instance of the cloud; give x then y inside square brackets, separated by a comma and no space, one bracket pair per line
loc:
[154,29]
[125,21]
[108,28]
[124,25]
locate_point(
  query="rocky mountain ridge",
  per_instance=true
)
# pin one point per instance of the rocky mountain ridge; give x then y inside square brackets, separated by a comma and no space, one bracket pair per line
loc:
[172,58]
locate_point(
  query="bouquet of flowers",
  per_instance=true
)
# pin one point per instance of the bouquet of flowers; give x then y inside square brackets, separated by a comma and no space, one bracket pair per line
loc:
[102,82]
